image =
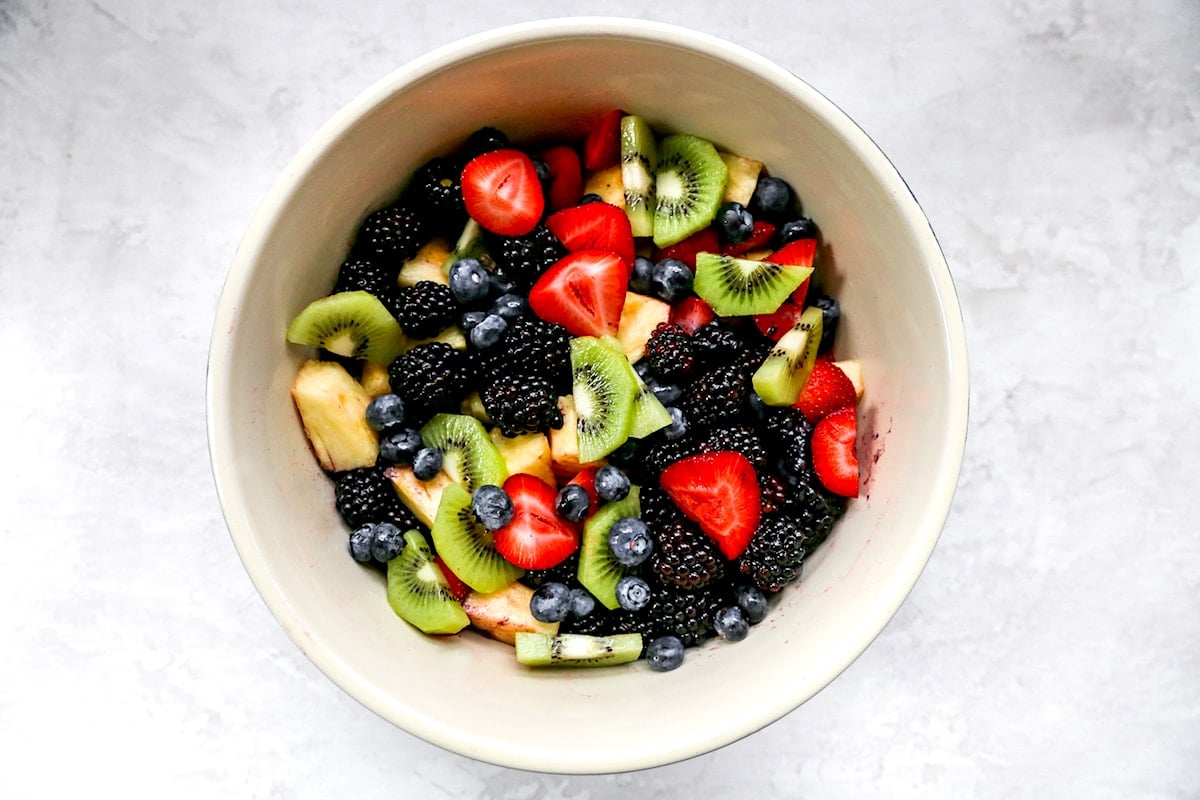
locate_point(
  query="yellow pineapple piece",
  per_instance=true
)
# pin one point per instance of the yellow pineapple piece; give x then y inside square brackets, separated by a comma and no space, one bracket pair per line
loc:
[426,265]
[743,177]
[528,453]
[639,317]
[375,379]
[421,497]
[332,408]
[608,184]
[504,612]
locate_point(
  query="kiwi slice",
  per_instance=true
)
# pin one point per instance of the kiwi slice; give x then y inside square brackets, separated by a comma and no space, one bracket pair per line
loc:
[577,649]
[350,324]
[688,185]
[466,546]
[639,162]
[783,373]
[603,393]
[469,245]
[739,287]
[417,590]
[649,415]
[599,569]
[468,454]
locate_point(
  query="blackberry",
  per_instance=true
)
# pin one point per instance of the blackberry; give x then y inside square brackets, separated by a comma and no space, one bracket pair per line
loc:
[686,557]
[739,439]
[366,496]
[524,258]
[530,347]
[790,434]
[774,493]
[657,507]
[753,353]
[604,622]
[669,352]
[425,310]
[522,404]
[688,615]
[430,377]
[437,187]
[775,555]
[815,509]
[666,452]
[716,344]
[391,235]
[716,397]
[560,573]
[363,274]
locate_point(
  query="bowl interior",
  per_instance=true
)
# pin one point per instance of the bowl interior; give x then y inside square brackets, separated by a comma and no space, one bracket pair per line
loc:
[900,319]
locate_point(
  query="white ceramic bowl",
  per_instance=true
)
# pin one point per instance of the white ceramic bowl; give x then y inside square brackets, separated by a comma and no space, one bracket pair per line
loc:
[901,320]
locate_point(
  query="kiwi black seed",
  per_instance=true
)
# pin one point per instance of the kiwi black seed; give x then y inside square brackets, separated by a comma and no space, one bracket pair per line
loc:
[350,324]
[604,393]
[417,590]
[466,546]
[688,185]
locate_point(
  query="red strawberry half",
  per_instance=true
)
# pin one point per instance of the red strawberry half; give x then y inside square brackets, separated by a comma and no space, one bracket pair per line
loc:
[536,538]
[799,253]
[566,176]
[780,321]
[719,492]
[584,292]
[826,390]
[502,193]
[594,225]
[833,452]
[692,314]
[704,241]
[457,587]
[602,147]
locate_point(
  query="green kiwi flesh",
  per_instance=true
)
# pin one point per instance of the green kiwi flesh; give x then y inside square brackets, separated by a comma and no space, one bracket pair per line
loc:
[604,395]
[639,162]
[418,592]
[739,287]
[649,414]
[468,454]
[599,569]
[350,324]
[785,369]
[688,185]
[469,245]
[466,546]
[577,649]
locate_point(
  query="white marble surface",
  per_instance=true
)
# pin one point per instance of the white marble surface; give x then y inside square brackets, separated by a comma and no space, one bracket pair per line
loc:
[1052,647]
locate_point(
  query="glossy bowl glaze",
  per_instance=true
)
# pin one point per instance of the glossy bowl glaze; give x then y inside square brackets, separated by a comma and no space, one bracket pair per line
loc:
[900,319]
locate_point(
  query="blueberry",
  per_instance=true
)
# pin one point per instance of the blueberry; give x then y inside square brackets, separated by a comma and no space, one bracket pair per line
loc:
[641,280]
[611,483]
[385,411]
[471,319]
[644,370]
[623,456]
[772,198]
[360,542]
[734,222]
[572,502]
[664,653]
[542,169]
[629,540]
[492,506]
[831,312]
[510,306]
[501,283]
[582,603]
[468,280]
[399,447]
[590,197]
[678,426]
[730,624]
[753,603]
[757,406]
[426,463]
[633,593]
[386,542]
[666,393]
[803,228]
[488,332]
[551,602]
[671,279]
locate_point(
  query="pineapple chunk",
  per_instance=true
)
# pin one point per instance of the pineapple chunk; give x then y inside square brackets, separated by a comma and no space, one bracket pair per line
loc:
[332,408]
[854,372]
[426,265]
[564,441]
[421,497]
[528,453]
[472,406]
[639,317]
[608,184]
[504,612]
[375,379]
[452,336]
[743,177]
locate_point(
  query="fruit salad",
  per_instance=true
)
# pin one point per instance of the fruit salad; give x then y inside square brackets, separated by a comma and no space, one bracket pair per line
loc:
[581,396]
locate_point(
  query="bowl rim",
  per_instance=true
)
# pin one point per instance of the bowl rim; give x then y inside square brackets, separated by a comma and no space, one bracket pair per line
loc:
[221,442]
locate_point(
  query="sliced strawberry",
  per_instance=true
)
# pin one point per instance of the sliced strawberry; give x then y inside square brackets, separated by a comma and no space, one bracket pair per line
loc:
[457,587]
[826,390]
[584,292]
[758,239]
[800,253]
[602,147]
[692,314]
[566,176]
[586,478]
[782,320]
[536,538]
[704,241]
[833,452]
[594,225]
[502,193]
[719,492]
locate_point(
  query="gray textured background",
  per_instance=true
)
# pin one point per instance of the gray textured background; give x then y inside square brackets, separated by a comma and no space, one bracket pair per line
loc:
[1052,647]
